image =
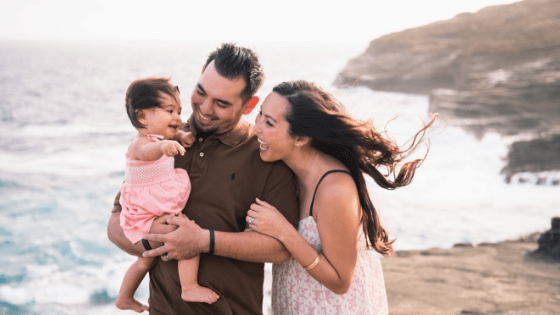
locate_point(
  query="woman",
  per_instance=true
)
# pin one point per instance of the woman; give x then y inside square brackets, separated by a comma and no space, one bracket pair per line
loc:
[331,270]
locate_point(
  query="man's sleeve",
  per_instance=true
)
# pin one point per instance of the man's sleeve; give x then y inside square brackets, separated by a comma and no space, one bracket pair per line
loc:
[280,191]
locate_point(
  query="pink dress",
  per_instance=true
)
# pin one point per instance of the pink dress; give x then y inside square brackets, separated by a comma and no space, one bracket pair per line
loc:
[151,188]
[294,291]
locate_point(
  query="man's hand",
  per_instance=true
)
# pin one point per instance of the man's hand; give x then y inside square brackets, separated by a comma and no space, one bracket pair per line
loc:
[187,241]
[160,226]
[117,237]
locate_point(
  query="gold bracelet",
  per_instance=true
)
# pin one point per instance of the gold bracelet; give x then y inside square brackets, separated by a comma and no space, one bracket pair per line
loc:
[314,263]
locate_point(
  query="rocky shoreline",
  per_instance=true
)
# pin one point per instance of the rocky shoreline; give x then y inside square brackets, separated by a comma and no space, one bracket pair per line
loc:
[512,277]
[496,70]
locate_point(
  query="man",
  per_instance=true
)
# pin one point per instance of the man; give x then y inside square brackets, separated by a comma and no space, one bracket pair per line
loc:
[227,175]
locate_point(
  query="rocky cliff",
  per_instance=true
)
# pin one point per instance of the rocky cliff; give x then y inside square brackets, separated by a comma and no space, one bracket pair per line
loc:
[494,70]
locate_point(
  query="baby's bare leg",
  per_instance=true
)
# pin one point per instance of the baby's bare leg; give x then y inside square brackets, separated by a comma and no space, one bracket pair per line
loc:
[191,291]
[131,281]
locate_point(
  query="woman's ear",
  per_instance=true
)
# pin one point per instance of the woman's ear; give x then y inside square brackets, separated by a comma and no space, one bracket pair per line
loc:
[302,141]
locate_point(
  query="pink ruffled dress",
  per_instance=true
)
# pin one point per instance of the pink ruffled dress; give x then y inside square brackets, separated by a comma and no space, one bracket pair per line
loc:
[150,189]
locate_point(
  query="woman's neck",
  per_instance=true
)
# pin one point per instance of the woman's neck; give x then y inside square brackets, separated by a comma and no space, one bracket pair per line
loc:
[305,166]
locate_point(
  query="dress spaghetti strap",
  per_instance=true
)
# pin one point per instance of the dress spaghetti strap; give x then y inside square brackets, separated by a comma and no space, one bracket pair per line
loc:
[316,187]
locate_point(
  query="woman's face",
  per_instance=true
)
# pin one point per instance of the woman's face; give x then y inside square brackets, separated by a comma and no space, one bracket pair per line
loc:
[272,129]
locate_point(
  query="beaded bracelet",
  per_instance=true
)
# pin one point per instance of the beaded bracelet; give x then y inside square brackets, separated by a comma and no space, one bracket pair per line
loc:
[314,263]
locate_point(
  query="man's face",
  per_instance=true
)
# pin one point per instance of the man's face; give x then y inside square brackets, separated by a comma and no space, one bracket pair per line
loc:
[216,102]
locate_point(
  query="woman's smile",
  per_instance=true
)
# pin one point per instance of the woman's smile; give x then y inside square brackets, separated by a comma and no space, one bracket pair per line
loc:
[263,145]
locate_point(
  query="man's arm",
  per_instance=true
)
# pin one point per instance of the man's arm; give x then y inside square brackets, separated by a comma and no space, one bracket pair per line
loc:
[190,240]
[116,235]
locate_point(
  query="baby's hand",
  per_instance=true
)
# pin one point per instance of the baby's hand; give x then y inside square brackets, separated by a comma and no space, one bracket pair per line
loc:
[172,148]
[185,138]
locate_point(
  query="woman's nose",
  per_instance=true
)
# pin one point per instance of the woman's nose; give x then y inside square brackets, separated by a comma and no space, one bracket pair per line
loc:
[257,126]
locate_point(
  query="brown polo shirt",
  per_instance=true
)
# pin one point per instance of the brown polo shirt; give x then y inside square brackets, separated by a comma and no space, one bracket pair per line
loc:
[227,174]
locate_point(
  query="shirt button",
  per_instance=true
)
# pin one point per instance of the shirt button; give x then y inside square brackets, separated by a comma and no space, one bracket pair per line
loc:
[200,139]
[201,154]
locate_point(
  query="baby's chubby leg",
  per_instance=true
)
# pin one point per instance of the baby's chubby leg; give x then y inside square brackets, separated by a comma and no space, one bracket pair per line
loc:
[191,290]
[131,281]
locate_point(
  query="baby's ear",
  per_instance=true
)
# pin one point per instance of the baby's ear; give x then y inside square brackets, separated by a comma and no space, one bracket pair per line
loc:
[139,113]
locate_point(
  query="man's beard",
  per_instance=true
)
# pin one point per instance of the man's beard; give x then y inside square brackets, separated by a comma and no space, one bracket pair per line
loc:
[202,132]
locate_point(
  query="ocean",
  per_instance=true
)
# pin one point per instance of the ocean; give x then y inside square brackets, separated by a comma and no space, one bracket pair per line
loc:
[64,131]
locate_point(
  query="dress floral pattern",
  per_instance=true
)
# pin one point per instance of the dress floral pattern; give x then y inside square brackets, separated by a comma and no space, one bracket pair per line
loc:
[294,291]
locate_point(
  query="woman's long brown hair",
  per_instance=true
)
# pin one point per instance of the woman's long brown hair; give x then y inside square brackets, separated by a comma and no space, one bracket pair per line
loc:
[316,114]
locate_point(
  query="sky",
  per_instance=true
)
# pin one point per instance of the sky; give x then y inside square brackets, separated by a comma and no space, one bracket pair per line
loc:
[338,21]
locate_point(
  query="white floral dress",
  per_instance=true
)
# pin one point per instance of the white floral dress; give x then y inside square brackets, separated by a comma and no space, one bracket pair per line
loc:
[294,291]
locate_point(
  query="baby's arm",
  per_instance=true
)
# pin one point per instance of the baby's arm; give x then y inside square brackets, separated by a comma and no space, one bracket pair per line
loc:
[146,150]
[185,138]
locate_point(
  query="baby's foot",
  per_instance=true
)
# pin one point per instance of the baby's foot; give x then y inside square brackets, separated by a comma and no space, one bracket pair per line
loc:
[197,293]
[131,304]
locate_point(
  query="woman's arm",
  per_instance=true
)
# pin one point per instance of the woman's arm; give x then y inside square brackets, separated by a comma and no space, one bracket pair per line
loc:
[337,212]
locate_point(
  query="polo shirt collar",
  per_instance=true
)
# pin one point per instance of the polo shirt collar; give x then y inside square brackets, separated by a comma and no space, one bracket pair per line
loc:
[231,138]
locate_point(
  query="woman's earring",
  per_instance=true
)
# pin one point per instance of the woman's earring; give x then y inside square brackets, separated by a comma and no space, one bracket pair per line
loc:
[297,144]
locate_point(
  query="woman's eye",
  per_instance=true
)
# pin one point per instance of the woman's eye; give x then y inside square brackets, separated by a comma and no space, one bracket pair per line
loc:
[268,123]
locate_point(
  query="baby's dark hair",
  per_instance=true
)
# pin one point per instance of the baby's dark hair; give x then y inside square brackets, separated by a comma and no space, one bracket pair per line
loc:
[146,93]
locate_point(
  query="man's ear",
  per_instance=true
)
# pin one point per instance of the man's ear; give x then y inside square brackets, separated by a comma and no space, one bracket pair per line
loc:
[203,67]
[251,104]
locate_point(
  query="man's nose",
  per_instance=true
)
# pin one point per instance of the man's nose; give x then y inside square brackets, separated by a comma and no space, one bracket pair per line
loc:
[206,107]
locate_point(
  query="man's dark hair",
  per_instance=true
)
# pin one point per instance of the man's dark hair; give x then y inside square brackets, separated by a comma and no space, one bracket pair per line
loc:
[232,62]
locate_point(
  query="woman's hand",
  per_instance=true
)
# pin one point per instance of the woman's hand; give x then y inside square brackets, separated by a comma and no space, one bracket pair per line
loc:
[171,148]
[267,220]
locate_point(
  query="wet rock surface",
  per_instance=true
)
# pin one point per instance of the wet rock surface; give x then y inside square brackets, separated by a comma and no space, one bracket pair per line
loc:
[549,243]
[496,70]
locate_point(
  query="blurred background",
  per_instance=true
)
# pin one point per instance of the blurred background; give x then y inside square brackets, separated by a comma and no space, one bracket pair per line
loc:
[492,74]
